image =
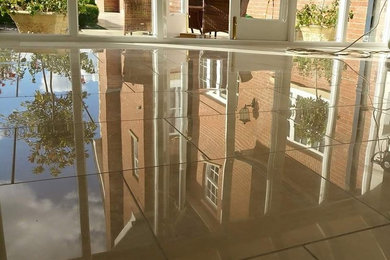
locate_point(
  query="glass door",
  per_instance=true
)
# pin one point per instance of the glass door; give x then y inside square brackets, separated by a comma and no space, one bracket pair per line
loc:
[259,20]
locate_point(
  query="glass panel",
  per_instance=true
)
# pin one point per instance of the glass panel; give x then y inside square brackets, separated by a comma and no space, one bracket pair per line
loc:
[175,6]
[261,9]
[38,17]
[367,14]
[116,18]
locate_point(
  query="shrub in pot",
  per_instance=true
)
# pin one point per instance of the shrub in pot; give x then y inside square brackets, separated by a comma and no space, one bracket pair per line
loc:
[39,16]
[318,23]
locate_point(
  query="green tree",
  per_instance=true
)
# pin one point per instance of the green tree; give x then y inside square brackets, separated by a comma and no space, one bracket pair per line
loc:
[48,130]
[310,119]
[46,123]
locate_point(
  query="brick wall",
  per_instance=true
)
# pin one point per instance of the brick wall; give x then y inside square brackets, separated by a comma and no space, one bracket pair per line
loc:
[174,6]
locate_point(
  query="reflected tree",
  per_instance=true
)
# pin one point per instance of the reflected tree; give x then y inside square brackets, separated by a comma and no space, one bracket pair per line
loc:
[10,67]
[49,132]
[46,123]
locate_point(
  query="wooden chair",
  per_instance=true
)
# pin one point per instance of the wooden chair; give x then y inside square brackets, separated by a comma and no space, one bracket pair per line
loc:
[195,11]
[216,15]
[138,16]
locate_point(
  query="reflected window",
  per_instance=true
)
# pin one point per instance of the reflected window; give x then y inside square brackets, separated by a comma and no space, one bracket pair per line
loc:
[211,77]
[134,152]
[176,100]
[212,175]
[307,121]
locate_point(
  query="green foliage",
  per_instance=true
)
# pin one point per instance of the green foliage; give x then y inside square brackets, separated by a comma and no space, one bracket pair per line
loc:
[58,64]
[310,120]
[309,66]
[10,67]
[89,17]
[48,130]
[45,123]
[37,6]
[313,14]
[6,20]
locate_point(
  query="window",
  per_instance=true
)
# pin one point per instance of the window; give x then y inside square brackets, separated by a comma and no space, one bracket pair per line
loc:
[134,152]
[211,188]
[307,134]
[211,77]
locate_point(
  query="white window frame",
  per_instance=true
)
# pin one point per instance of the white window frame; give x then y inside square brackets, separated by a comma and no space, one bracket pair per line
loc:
[160,12]
[134,154]
[206,68]
[212,172]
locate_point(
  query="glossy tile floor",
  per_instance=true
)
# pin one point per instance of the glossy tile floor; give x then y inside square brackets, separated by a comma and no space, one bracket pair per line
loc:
[185,154]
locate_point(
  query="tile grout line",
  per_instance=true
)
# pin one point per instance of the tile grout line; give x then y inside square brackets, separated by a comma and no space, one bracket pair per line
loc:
[190,141]
[310,252]
[127,85]
[144,217]
[210,107]
[318,240]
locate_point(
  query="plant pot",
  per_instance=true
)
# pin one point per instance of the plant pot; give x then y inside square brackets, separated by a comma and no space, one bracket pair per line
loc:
[47,23]
[315,33]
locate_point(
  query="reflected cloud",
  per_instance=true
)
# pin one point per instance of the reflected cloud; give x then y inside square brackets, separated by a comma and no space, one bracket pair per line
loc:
[60,84]
[44,228]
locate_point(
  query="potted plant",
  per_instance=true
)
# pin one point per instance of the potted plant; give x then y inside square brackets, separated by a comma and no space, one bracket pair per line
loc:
[39,16]
[318,23]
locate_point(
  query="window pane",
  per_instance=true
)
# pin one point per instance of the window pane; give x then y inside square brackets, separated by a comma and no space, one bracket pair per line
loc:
[117,18]
[174,6]
[260,9]
[366,16]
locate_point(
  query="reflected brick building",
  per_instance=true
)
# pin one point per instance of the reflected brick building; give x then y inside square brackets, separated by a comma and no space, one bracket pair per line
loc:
[180,111]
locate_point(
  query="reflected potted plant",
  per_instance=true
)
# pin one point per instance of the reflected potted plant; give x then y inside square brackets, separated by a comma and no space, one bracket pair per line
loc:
[39,16]
[10,68]
[310,119]
[321,67]
[318,23]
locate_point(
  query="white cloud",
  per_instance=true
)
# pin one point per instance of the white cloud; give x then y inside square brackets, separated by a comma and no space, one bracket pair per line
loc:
[39,228]
[60,84]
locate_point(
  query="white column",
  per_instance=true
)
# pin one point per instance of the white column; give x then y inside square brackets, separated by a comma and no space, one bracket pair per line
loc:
[73,17]
[331,124]
[159,16]
[342,20]
[375,122]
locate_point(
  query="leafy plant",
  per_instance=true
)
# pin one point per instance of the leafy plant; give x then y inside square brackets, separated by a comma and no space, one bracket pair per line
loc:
[45,123]
[57,64]
[310,119]
[38,6]
[309,66]
[10,67]
[325,16]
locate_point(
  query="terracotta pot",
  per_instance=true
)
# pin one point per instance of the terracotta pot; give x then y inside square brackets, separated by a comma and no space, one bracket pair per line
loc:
[47,23]
[316,33]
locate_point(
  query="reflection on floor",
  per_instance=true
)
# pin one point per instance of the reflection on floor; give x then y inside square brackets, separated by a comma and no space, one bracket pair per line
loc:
[185,154]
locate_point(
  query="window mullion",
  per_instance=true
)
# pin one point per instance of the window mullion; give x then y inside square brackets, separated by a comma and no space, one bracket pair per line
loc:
[73,17]
[342,21]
